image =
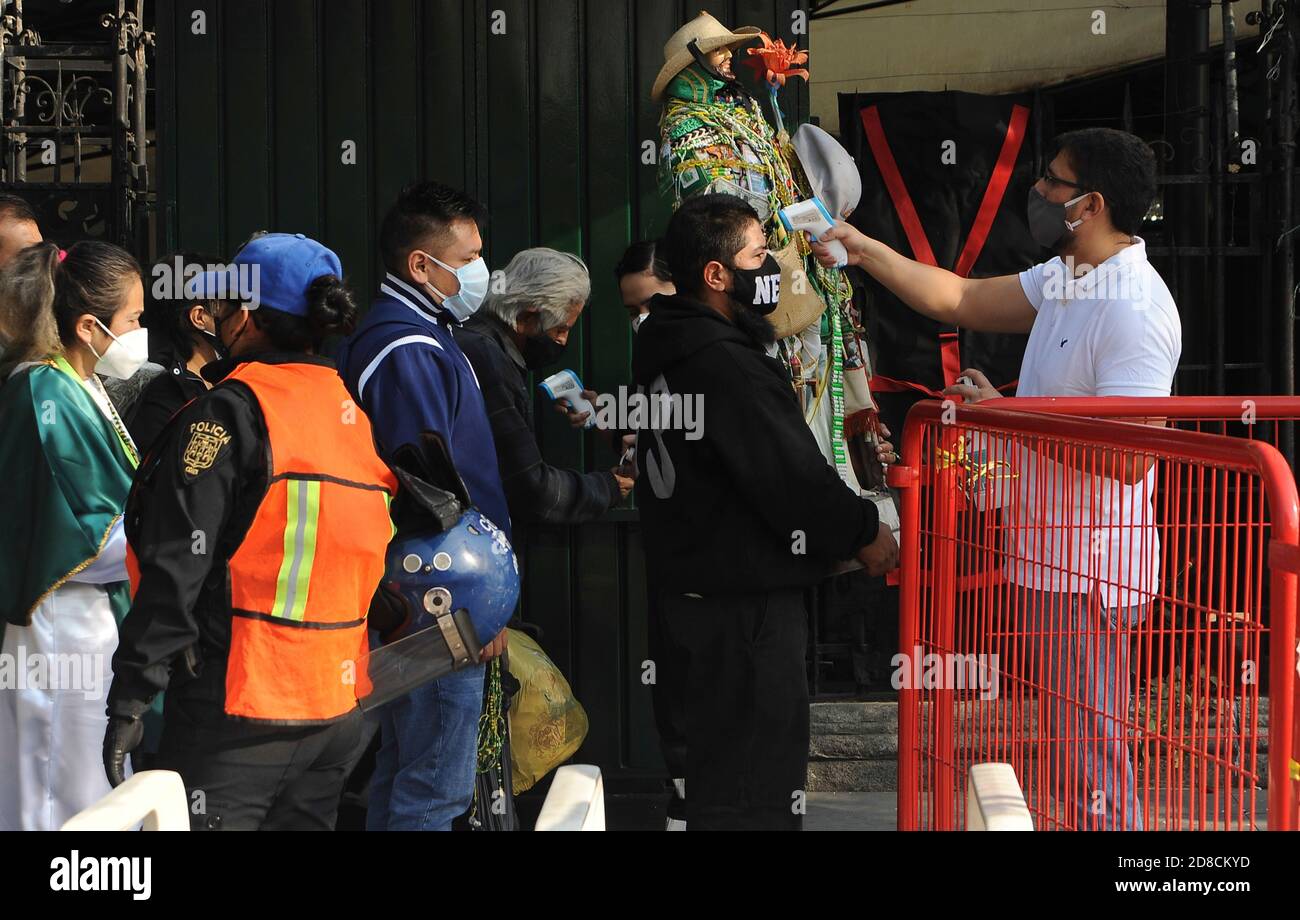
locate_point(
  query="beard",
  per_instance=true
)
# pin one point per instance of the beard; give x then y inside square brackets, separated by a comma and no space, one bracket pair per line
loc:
[755,325]
[1066,245]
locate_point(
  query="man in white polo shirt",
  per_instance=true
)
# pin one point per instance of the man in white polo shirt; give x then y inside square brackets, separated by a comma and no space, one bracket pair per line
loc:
[1101,322]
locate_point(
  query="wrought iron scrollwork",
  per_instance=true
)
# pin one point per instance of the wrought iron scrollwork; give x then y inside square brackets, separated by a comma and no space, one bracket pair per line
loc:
[73,122]
[131,34]
[13,34]
[61,103]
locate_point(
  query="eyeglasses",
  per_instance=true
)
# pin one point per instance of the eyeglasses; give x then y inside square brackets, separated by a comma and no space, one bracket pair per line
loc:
[1057,180]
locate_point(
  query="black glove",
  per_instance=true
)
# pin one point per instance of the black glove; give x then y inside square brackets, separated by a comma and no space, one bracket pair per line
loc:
[389,615]
[123,736]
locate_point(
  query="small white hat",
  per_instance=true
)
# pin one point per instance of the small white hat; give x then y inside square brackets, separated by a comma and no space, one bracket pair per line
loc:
[830,169]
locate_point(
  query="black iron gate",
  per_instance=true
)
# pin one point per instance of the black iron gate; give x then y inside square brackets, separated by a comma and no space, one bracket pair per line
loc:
[74,118]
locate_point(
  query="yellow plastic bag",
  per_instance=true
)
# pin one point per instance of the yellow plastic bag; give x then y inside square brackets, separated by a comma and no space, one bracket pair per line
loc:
[547,723]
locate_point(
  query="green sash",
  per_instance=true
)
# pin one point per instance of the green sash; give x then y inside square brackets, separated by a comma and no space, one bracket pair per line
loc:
[67,472]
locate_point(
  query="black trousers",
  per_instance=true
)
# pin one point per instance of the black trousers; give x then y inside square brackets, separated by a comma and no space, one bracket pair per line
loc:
[745,696]
[666,693]
[245,776]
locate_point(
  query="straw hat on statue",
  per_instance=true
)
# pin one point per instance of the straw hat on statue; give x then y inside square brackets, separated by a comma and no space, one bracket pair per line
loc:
[707,34]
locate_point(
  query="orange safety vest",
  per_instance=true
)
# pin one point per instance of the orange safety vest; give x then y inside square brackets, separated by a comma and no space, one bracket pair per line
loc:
[302,580]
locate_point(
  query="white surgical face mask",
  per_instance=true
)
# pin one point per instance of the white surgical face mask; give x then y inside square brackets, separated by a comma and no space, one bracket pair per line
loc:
[473,279]
[124,356]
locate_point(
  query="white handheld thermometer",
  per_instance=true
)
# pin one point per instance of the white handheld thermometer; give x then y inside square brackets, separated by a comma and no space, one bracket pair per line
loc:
[812,217]
[566,385]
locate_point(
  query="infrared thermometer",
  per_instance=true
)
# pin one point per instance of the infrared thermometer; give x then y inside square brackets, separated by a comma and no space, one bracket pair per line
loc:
[566,385]
[812,217]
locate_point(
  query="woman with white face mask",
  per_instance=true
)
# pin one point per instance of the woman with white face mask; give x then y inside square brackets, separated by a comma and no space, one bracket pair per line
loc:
[66,461]
[641,275]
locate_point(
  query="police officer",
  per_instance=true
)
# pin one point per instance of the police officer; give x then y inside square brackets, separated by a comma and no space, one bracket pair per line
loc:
[258,527]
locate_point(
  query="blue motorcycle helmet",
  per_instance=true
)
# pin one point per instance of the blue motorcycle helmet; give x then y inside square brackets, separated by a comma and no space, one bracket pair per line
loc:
[470,566]
[451,579]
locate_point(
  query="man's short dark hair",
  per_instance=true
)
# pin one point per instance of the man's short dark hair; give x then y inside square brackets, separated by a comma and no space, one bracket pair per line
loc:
[710,228]
[1119,165]
[13,207]
[423,212]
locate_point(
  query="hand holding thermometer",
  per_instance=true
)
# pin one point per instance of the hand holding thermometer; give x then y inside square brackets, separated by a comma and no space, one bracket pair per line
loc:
[812,217]
[566,385]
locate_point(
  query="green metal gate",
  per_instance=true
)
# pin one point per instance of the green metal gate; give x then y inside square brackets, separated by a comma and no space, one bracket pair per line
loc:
[540,108]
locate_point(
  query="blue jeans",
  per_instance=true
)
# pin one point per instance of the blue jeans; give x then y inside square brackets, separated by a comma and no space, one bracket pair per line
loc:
[424,771]
[1083,672]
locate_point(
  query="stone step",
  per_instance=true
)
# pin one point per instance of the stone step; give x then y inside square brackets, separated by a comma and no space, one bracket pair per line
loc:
[866,746]
[854,745]
[848,718]
[853,718]
[881,775]
[852,775]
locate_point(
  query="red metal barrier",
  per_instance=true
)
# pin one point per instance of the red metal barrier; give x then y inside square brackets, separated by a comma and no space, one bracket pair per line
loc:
[1101,628]
[1250,417]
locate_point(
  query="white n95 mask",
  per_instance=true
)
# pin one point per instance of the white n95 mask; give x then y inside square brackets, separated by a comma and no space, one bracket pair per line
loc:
[126,355]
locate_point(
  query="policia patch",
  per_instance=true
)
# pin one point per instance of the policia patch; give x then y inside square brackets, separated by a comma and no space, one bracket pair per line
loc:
[207,442]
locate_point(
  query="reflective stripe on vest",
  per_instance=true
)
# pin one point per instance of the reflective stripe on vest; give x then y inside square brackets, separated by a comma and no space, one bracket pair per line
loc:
[299,550]
[303,576]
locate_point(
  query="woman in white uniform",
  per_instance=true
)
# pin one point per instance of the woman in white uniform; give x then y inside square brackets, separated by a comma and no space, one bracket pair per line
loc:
[66,464]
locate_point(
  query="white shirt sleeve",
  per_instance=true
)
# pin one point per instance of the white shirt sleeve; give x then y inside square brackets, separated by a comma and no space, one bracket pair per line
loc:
[1138,352]
[110,565]
[1032,280]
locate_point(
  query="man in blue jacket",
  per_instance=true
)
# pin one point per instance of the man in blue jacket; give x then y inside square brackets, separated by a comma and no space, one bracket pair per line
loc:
[405,370]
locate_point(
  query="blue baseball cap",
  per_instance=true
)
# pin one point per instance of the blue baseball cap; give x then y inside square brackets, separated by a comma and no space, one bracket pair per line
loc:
[273,271]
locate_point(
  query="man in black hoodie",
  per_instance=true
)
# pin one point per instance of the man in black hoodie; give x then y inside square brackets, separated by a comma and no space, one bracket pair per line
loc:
[741,513]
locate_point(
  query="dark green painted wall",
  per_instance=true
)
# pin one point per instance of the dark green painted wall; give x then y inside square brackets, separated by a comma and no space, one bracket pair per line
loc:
[544,124]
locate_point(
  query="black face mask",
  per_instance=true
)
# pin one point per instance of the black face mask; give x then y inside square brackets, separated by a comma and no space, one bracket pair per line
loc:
[541,351]
[1048,224]
[758,289]
[213,338]
[224,351]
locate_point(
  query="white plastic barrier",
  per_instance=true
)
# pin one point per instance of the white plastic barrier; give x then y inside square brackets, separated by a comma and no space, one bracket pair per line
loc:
[994,800]
[154,797]
[576,801]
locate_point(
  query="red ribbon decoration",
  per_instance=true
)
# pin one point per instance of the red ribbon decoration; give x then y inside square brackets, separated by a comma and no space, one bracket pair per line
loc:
[949,351]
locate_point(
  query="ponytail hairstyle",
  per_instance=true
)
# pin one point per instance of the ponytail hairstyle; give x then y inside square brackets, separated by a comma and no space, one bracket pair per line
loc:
[44,291]
[331,310]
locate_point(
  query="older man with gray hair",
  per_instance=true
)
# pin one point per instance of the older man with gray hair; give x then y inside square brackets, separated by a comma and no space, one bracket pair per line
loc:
[524,326]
